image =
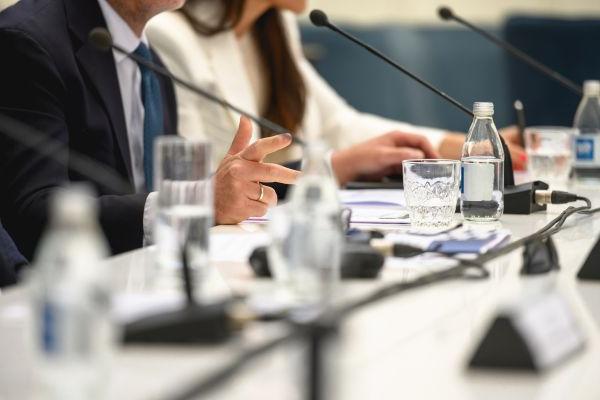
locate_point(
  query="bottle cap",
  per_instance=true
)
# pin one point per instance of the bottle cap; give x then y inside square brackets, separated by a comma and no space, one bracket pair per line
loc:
[73,206]
[483,109]
[591,88]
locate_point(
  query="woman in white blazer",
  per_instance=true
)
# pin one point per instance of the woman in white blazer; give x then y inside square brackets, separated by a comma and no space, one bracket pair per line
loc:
[249,52]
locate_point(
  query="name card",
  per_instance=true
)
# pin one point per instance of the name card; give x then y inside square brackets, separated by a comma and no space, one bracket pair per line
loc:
[591,267]
[537,334]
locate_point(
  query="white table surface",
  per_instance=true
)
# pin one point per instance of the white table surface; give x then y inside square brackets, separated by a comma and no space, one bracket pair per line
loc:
[414,346]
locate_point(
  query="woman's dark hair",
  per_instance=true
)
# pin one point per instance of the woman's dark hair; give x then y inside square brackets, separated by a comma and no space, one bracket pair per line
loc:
[286,90]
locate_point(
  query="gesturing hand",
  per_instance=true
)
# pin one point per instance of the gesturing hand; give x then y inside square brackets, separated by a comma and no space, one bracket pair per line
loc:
[237,180]
[380,156]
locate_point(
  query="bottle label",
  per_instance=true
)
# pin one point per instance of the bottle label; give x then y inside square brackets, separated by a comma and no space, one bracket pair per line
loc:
[587,151]
[49,328]
[477,181]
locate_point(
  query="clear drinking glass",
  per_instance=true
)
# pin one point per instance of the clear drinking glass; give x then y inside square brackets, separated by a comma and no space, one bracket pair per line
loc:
[182,177]
[550,152]
[307,234]
[431,191]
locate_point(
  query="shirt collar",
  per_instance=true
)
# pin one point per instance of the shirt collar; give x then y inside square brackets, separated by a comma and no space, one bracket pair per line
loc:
[121,33]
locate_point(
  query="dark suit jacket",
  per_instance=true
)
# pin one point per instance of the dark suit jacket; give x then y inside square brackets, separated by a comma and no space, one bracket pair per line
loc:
[54,80]
[11,260]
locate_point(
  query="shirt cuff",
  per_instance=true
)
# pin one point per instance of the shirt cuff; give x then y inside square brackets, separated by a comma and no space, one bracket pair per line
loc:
[149,218]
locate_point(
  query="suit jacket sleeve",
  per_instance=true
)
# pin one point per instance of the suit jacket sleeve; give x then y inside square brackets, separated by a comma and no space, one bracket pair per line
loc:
[33,92]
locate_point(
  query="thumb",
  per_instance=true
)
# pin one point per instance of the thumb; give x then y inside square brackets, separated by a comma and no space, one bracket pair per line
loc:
[242,137]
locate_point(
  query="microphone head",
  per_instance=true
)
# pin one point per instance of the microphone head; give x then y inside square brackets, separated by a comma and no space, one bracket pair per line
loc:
[518,105]
[100,38]
[445,13]
[319,18]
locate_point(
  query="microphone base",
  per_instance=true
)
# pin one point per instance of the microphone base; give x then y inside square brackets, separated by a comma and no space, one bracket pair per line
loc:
[193,324]
[359,261]
[520,199]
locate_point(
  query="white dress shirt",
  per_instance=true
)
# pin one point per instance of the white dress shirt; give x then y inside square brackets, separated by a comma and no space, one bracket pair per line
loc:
[130,84]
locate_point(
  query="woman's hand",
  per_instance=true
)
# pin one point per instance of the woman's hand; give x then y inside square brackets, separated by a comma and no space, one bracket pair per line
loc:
[452,143]
[380,156]
[512,137]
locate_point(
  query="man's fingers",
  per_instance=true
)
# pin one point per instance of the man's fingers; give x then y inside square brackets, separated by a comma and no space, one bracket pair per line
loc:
[258,150]
[253,190]
[416,141]
[259,172]
[255,208]
[242,137]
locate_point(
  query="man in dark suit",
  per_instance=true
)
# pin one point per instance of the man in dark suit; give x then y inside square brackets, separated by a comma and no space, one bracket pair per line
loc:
[104,106]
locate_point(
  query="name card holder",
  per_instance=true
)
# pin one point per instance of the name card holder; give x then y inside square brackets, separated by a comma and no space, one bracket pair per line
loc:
[536,335]
[591,268]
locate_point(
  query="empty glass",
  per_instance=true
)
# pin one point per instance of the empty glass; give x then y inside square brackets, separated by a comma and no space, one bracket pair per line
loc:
[550,153]
[182,177]
[431,191]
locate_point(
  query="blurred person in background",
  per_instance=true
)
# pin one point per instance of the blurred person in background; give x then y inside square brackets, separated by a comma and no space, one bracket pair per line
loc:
[250,53]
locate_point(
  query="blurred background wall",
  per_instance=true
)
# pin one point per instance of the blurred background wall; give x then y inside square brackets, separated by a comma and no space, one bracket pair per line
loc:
[423,11]
[562,34]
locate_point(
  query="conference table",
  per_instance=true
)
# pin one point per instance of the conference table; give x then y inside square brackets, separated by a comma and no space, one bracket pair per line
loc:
[415,345]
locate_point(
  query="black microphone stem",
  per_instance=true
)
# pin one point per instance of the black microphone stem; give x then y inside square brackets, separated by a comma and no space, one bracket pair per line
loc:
[262,122]
[382,56]
[521,123]
[515,52]
[187,277]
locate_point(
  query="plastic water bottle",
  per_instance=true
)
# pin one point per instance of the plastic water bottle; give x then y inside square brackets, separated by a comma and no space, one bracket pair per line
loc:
[74,334]
[482,159]
[308,232]
[587,143]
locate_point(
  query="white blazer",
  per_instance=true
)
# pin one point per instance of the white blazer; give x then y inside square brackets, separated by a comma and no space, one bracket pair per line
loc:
[216,64]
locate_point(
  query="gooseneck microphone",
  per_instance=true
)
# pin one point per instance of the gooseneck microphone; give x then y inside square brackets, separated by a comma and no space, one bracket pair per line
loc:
[100,38]
[518,199]
[447,14]
[320,19]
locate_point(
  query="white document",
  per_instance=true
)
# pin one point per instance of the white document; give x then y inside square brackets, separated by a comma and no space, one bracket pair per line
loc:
[373,197]
[379,215]
[369,206]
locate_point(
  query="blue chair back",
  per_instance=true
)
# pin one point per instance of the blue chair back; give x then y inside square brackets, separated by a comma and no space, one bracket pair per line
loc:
[569,46]
[453,59]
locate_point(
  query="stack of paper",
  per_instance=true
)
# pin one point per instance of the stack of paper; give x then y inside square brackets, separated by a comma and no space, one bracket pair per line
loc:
[368,207]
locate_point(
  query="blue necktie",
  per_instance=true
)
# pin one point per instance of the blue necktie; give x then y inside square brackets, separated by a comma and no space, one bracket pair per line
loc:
[153,112]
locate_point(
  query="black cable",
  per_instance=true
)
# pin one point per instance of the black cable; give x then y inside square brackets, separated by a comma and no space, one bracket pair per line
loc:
[549,229]
[212,382]
[337,315]
[458,271]
[219,377]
